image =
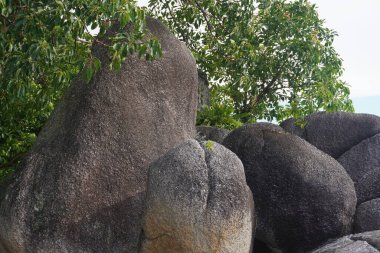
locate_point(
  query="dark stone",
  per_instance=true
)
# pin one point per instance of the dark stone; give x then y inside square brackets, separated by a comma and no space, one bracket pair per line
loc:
[368,242]
[302,196]
[368,187]
[198,201]
[82,186]
[335,133]
[212,133]
[260,247]
[362,162]
[367,216]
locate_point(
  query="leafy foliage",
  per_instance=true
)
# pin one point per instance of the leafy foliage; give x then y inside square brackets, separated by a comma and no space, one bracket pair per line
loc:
[268,59]
[43,44]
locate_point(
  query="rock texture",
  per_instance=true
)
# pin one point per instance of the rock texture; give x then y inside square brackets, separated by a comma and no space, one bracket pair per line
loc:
[368,187]
[212,133]
[204,98]
[198,202]
[82,187]
[335,133]
[368,242]
[303,197]
[362,162]
[368,216]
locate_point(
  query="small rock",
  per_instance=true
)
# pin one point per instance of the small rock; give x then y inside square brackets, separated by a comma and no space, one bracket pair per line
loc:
[368,216]
[212,133]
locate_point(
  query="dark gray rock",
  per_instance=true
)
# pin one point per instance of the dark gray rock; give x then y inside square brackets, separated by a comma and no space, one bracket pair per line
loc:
[368,242]
[362,158]
[212,133]
[302,196]
[82,187]
[198,201]
[335,133]
[368,187]
[260,247]
[367,216]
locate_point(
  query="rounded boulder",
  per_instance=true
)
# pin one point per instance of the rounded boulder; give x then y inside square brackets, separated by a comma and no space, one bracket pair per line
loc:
[303,197]
[198,202]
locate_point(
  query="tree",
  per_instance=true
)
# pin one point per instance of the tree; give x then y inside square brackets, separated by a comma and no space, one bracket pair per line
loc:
[43,45]
[267,59]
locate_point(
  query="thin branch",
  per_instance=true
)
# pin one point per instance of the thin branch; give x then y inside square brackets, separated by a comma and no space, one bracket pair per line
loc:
[209,25]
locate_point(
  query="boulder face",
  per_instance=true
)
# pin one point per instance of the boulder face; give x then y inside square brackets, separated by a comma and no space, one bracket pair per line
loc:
[198,201]
[367,216]
[335,133]
[362,162]
[212,133]
[302,196]
[82,186]
[368,187]
[368,242]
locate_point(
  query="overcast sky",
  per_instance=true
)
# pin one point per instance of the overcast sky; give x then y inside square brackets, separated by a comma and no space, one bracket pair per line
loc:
[358,25]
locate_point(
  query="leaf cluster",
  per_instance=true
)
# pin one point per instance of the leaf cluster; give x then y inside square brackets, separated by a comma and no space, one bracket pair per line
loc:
[44,44]
[267,59]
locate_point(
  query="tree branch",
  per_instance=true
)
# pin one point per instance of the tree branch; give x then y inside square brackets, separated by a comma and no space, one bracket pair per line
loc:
[209,25]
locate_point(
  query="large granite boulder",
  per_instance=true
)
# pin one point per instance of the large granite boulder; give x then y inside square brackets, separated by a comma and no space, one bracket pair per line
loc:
[367,216]
[302,196]
[82,186]
[362,162]
[368,242]
[212,133]
[198,202]
[335,133]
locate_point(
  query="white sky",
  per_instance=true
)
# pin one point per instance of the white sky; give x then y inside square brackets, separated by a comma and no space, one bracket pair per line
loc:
[358,25]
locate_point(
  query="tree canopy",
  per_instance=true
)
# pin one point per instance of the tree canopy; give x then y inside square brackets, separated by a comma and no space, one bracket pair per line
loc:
[266,59]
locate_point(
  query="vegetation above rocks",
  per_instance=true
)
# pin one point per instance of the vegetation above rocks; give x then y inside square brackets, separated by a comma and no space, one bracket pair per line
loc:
[266,59]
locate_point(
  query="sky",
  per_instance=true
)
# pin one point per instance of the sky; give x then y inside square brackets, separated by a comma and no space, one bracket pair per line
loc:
[357,23]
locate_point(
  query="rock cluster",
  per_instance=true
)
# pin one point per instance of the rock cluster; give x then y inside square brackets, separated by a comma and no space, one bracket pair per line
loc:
[117,169]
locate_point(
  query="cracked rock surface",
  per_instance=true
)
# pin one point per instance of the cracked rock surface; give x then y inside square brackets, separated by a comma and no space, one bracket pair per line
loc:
[198,202]
[303,197]
[368,242]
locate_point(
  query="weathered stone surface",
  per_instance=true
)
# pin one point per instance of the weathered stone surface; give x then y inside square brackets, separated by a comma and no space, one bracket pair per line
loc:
[367,216]
[203,90]
[198,202]
[368,187]
[82,187]
[362,158]
[212,133]
[335,133]
[302,196]
[368,242]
